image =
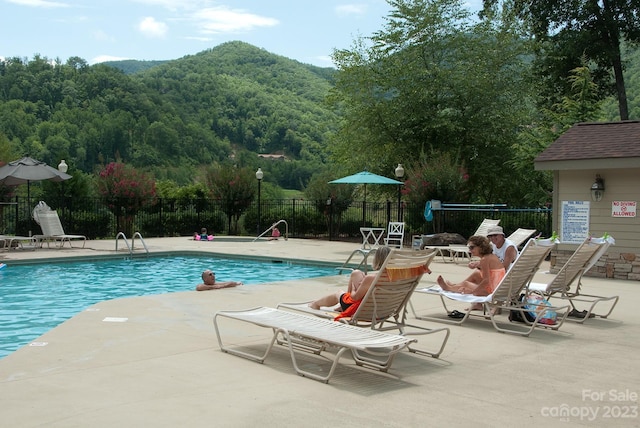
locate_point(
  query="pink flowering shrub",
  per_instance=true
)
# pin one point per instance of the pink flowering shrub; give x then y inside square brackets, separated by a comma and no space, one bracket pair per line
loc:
[125,190]
[435,176]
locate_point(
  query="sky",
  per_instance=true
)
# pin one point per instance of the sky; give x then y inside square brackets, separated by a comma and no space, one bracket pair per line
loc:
[110,30]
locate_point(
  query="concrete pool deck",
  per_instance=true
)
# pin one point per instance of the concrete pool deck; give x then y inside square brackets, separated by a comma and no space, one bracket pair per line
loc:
[162,366]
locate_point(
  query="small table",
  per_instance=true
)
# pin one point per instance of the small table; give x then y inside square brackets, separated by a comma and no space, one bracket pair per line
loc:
[371,236]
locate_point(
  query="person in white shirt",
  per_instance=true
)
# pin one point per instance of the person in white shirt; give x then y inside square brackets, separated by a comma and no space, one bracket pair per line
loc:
[506,250]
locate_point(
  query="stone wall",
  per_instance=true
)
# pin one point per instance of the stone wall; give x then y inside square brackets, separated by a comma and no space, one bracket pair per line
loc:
[611,265]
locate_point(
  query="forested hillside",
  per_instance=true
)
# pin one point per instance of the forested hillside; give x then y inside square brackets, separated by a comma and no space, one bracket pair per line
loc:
[250,98]
[222,105]
[230,103]
[132,66]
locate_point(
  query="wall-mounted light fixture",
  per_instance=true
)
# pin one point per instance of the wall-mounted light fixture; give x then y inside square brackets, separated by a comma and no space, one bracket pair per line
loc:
[597,189]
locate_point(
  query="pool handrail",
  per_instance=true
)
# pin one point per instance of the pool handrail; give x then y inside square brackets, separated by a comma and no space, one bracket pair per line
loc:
[124,238]
[286,232]
[133,242]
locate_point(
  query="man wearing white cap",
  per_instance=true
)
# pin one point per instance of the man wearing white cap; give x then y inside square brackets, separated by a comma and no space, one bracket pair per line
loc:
[506,250]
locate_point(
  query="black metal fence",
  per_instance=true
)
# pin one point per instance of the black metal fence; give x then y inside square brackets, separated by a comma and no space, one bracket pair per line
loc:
[305,219]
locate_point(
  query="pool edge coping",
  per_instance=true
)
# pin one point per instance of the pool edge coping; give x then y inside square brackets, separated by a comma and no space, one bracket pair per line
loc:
[167,253]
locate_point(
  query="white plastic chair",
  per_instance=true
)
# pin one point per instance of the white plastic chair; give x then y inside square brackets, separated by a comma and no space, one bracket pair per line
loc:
[395,234]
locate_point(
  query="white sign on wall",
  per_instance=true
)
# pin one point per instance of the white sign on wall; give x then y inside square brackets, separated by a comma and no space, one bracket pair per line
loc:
[574,220]
[623,208]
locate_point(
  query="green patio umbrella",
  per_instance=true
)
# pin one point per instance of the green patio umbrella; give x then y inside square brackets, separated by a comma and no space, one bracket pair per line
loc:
[364,178]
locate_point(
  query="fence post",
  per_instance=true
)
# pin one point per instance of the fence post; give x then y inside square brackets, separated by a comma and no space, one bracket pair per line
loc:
[16,225]
[330,206]
[293,215]
[160,217]
[388,212]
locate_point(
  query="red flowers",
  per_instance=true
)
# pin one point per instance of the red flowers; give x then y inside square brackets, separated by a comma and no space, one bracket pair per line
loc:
[125,189]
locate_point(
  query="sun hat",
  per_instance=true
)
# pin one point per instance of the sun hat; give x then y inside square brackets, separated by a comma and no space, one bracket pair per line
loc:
[495,230]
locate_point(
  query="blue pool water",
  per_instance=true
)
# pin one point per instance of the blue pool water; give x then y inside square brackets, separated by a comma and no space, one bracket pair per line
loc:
[36,298]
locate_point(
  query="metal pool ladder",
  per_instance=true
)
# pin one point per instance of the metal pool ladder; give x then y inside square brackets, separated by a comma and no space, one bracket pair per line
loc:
[286,231]
[133,242]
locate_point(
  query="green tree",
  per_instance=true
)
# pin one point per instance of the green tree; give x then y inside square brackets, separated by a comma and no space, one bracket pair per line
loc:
[170,117]
[582,105]
[81,185]
[235,188]
[7,155]
[567,29]
[435,80]
[329,198]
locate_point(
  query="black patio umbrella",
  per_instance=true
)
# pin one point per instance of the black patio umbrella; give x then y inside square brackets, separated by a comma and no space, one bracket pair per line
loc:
[26,170]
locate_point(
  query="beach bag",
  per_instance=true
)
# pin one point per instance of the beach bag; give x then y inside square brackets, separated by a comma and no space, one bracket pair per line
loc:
[537,304]
[517,315]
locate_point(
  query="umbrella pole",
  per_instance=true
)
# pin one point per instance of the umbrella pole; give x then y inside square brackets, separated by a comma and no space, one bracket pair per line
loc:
[29,204]
[364,207]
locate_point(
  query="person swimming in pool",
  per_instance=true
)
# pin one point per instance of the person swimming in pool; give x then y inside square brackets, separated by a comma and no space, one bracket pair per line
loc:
[202,236]
[209,282]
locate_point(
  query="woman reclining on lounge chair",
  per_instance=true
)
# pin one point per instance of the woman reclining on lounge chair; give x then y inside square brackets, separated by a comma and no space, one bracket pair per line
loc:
[485,278]
[359,284]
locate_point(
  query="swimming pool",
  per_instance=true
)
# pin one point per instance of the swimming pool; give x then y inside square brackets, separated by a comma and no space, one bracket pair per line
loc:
[35,298]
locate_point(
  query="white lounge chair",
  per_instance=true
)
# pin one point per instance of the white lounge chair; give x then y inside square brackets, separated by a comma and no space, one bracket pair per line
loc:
[52,230]
[566,284]
[300,332]
[384,305]
[484,227]
[505,296]
[520,236]
[456,251]
[462,251]
[9,242]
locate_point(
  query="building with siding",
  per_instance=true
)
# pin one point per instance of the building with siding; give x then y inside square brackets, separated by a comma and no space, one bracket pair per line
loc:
[586,157]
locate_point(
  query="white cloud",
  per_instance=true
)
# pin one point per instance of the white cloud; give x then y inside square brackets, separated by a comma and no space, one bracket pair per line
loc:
[174,5]
[152,28]
[351,9]
[224,20]
[104,58]
[38,3]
